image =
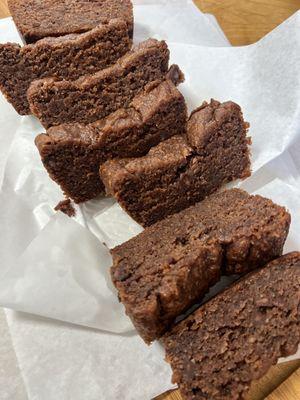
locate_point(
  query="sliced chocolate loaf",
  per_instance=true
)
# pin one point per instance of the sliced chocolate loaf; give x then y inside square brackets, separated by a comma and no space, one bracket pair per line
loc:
[237,336]
[170,266]
[93,97]
[73,153]
[164,182]
[37,19]
[66,57]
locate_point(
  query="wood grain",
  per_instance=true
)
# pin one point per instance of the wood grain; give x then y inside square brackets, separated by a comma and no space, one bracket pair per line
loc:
[290,388]
[245,22]
[4,12]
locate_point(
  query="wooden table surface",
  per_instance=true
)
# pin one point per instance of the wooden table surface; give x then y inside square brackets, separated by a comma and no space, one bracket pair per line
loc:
[245,22]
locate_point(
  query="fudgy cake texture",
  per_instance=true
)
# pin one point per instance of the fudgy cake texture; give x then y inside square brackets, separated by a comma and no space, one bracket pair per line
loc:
[37,19]
[168,180]
[93,97]
[72,153]
[237,336]
[66,57]
[170,266]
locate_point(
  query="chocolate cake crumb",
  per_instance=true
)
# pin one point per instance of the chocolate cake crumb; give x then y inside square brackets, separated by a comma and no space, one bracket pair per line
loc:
[37,19]
[164,181]
[175,75]
[169,267]
[233,339]
[66,207]
[93,97]
[72,153]
[66,57]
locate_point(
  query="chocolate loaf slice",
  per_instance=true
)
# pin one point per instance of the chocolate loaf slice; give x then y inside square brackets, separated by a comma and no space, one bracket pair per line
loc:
[66,57]
[73,153]
[37,19]
[163,183]
[93,97]
[169,267]
[237,336]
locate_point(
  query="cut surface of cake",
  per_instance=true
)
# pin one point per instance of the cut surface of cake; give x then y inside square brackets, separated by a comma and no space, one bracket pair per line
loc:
[93,97]
[163,182]
[171,265]
[233,339]
[72,153]
[66,57]
[37,19]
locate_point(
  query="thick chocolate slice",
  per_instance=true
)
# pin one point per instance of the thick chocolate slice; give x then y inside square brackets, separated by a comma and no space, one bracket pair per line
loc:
[170,266]
[237,336]
[66,57]
[37,19]
[93,97]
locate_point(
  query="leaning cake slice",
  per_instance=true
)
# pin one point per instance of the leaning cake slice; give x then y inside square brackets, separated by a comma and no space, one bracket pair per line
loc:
[162,183]
[170,266]
[66,57]
[93,97]
[37,19]
[237,336]
[72,153]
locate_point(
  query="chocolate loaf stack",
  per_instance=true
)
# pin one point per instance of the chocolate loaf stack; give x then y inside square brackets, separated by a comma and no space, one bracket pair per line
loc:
[182,170]
[99,98]
[112,107]
[72,153]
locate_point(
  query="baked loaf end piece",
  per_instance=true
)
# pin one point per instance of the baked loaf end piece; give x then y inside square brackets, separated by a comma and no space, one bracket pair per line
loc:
[36,19]
[171,265]
[237,336]
[161,183]
[66,57]
[72,153]
[93,97]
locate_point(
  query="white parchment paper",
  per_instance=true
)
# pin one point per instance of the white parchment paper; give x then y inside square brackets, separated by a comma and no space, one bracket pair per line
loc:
[176,21]
[56,267]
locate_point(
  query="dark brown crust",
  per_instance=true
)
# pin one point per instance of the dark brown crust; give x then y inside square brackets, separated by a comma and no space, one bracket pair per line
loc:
[67,57]
[37,19]
[93,97]
[163,183]
[170,265]
[236,337]
[73,153]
